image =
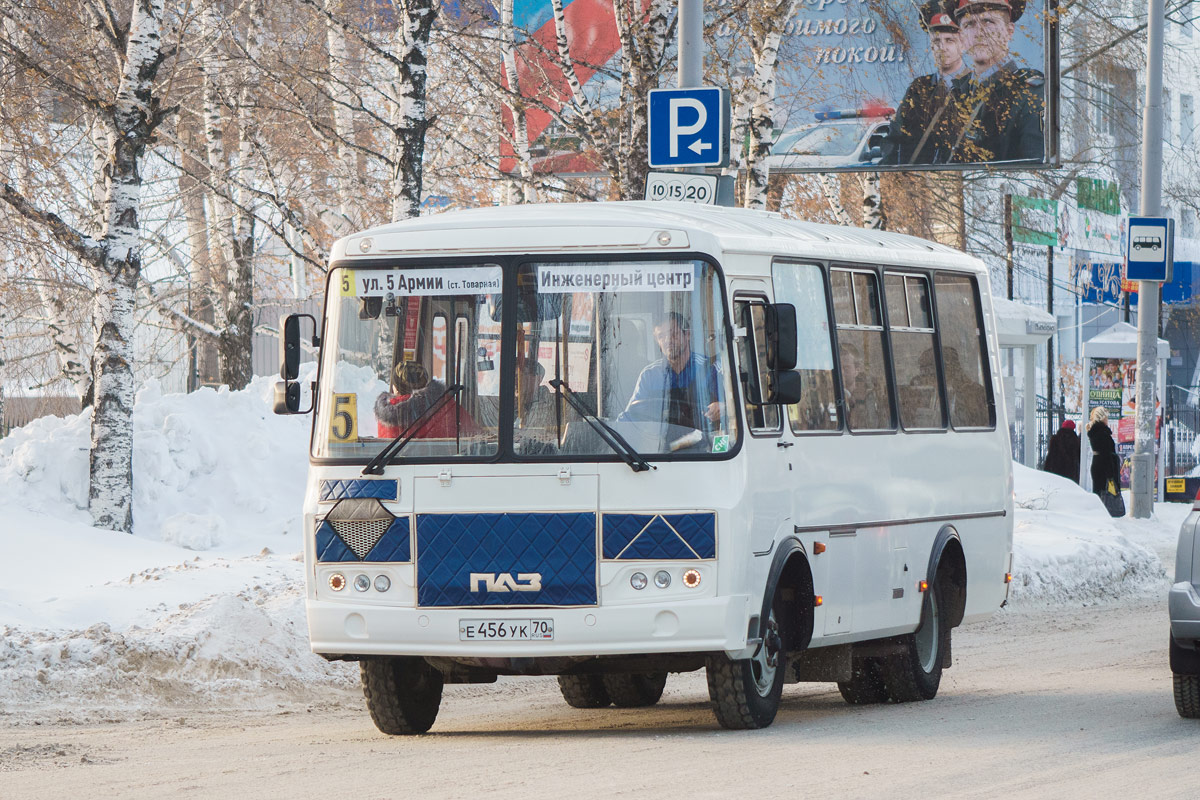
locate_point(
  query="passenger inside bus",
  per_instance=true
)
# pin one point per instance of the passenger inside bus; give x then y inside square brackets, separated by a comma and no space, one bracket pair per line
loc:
[861,395]
[537,422]
[682,387]
[412,394]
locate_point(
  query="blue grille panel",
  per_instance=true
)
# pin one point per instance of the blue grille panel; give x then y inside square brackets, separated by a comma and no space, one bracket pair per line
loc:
[394,545]
[334,490]
[330,546]
[660,536]
[561,547]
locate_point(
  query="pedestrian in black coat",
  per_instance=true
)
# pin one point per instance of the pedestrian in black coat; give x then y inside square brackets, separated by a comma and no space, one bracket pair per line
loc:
[1062,454]
[1106,466]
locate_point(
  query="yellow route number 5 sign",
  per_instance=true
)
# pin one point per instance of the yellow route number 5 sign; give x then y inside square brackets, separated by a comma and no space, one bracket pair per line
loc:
[343,422]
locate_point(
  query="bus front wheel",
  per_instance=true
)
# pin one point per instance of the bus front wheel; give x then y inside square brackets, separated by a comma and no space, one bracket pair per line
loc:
[403,694]
[745,693]
[584,691]
[635,689]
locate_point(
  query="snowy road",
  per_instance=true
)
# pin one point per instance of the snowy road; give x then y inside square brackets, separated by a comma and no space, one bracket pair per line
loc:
[1074,704]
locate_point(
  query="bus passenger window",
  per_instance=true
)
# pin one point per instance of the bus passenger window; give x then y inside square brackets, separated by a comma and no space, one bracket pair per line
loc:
[914,357]
[865,392]
[803,286]
[752,353]
[967,390]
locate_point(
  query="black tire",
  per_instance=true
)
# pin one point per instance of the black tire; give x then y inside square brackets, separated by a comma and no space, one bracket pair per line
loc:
[865,685]
[583,691]
[635,689]
[916,672]
[403,694]
[1187,695]
[745,693]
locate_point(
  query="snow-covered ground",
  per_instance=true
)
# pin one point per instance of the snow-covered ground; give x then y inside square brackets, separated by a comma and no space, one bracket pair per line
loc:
[205,601]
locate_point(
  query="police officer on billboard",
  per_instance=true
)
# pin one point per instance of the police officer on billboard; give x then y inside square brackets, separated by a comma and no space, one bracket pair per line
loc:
[928,122]
[1002,104]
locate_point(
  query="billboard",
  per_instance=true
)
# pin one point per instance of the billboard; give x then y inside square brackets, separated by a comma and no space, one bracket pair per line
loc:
[872,85]
[898,85]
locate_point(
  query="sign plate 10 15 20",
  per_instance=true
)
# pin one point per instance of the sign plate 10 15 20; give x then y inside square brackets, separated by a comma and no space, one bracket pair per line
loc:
[682,187]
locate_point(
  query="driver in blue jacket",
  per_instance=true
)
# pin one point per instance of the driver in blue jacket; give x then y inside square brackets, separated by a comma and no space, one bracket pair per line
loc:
[685,383]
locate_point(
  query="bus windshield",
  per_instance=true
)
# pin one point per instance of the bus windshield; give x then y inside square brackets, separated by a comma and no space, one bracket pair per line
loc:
[638,348]
[411,352]
[640,344]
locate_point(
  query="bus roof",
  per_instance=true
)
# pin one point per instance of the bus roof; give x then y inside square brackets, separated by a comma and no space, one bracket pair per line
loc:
[640,226]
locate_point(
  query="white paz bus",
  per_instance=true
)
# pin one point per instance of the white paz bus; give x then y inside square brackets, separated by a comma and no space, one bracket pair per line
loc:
[613,441]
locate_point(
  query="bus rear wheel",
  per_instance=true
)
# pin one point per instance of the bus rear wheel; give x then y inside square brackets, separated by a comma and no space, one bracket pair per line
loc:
[635,689]
[865,685]
[745,693]
[915,673]
[403,694]
[584,691]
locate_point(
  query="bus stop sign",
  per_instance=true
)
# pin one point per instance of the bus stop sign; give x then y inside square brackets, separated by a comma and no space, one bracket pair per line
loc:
[688,127]
[1150,249]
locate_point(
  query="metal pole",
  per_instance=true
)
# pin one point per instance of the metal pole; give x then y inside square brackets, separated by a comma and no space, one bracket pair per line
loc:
[1008,243]
[1050,371]
[691,51]
[1142,480]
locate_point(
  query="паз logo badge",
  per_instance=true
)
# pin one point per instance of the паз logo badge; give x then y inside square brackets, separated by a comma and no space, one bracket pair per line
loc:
[504,582]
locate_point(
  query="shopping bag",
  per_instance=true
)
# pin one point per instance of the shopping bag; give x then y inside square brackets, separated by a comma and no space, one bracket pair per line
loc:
[1113,502]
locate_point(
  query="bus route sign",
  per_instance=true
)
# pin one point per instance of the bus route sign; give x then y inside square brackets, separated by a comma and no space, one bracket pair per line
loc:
[1150,249]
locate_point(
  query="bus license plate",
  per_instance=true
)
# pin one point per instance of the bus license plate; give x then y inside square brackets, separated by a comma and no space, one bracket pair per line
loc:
[509,630]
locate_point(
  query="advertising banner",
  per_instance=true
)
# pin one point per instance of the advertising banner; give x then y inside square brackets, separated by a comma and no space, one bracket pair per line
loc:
[1112,385]
[891,84]
[860,84]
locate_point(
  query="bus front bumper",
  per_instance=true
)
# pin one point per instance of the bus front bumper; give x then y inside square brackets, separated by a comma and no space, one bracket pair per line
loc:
[702,625]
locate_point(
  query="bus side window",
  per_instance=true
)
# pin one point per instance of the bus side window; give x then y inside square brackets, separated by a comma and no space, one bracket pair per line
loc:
[914,355]
[752,354]
[866,395]
[803,285]
[968,387]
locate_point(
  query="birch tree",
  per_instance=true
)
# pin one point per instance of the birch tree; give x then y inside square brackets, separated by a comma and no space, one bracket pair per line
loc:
[130,110]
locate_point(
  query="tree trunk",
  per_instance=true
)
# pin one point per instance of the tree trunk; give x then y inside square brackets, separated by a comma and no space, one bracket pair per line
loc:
[116,273]
[409,120]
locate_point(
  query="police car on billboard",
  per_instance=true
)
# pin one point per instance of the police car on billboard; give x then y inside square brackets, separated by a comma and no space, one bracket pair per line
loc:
[848,138]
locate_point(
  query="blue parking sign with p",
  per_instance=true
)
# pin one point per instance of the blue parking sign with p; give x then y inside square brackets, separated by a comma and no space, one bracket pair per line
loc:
[688,127]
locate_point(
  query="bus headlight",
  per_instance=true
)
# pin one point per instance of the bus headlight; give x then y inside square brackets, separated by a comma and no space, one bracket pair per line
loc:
[638,580]
[691,578]
[361,583]
[662,579]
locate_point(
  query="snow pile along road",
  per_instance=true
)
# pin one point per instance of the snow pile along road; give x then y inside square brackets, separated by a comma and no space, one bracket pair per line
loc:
[1067,550]
[204,604]
[205,601]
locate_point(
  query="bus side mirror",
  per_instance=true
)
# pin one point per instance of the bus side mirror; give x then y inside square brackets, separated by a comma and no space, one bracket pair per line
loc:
[287,391]
[786,387]
[287,397]
[781,336]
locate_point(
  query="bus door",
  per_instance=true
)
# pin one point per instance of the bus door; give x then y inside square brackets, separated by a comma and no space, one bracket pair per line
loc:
[766,452]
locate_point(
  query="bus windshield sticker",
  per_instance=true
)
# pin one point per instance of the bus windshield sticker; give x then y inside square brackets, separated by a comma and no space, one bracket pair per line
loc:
[564,278]
[427,282]
[720,444]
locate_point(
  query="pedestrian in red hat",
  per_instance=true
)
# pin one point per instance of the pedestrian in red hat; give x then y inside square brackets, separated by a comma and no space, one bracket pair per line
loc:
[1062,454]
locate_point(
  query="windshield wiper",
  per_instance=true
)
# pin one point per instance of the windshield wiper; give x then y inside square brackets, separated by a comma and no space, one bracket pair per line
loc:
[606,432]
[392,449]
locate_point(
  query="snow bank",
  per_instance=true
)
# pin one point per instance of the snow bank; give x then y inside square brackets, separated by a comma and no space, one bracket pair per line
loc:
[205,600]
[1066,548]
